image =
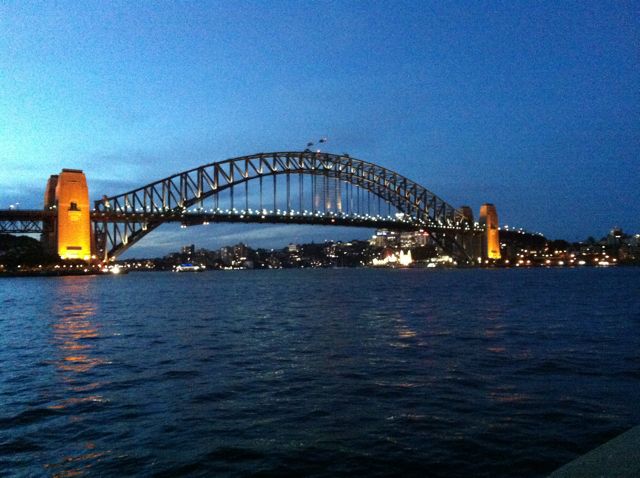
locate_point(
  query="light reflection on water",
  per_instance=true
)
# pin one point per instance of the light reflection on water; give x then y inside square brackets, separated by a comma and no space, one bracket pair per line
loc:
[76,465]
[75,331]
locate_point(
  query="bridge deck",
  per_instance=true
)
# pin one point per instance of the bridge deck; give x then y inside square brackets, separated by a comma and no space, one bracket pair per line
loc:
[193,219]
[26,214]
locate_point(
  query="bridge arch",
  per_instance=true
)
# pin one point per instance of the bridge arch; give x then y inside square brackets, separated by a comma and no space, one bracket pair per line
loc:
[128,217]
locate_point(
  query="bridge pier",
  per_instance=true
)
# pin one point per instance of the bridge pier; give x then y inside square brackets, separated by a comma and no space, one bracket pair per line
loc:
[68,233]
[484,245]
[48,237]
[491,236]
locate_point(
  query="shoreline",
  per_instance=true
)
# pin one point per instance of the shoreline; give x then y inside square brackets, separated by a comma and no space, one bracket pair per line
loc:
[125,270]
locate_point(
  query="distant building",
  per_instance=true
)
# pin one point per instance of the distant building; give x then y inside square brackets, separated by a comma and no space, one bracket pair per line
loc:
[189,250]
[384,238]
[404,240]
[226,255]
[240,252]
[614,238]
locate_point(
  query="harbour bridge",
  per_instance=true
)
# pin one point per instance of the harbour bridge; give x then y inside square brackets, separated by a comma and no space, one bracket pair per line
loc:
[281,187]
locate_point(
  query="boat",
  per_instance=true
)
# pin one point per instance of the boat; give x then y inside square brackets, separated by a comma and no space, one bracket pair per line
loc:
[188,268]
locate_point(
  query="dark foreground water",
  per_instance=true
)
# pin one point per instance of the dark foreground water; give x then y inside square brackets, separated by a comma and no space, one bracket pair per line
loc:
[316,372]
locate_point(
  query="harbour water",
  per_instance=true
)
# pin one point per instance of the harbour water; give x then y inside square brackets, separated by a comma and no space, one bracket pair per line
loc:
[347,372]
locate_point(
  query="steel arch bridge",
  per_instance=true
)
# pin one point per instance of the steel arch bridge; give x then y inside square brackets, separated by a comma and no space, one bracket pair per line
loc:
[281,187]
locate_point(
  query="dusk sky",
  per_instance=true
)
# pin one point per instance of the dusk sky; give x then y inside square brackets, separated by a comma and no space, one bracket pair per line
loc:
[534,106]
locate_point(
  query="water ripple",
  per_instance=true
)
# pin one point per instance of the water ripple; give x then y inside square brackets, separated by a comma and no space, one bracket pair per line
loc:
[403,373]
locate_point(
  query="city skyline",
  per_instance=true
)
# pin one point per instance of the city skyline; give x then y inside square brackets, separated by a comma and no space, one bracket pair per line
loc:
[545,127]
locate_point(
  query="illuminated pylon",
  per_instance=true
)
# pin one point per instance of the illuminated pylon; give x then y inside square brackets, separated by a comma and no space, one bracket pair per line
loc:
[70,234]
[491,237]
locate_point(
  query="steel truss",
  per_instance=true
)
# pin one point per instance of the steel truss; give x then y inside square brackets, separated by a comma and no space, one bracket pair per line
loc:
[122,220]
[25,221]
[21,226]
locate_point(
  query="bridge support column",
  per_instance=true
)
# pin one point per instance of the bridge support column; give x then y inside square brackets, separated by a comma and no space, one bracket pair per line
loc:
[469,239]
[491,237]
[70,234]
[49,226]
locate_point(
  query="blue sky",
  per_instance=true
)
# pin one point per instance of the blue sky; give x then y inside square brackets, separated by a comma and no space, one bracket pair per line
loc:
[534,106]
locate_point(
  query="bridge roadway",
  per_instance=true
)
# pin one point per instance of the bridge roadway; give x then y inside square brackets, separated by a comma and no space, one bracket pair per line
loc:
[34,220]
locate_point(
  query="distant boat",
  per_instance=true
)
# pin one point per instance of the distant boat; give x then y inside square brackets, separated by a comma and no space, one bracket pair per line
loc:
[188,268]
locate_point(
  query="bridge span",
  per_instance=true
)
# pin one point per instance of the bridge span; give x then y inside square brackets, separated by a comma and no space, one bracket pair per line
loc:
[282,187]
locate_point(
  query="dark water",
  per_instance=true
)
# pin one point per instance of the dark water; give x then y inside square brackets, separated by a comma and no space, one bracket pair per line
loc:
[316,372]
